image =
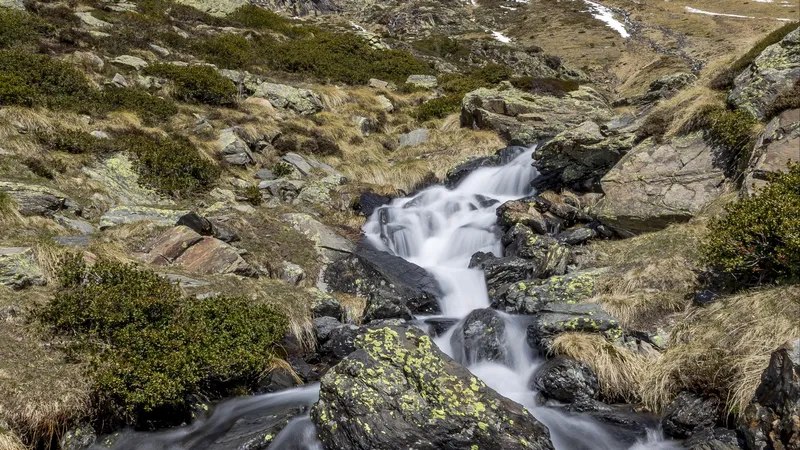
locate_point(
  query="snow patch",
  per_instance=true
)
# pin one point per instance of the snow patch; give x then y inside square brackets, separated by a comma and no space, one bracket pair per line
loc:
[501,37]
[606,15]
[708,13]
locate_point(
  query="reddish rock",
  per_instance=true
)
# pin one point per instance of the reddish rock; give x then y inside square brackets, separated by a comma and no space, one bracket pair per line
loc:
[212,256]
[172,244]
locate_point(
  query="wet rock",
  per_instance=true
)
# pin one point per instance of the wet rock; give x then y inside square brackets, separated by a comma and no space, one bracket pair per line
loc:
[340,343]
[368,202]
[549,255]
[398,390]
[688,414]
[775,149]
[255,431]
[385,305]
[565,380]
[481,337]
[422,81]
[122,215]
[774,72]
[323,305]
[79,438]
[577,236]
[500,271]
[655,185]
[302,101]
[579,154]
[771,420]
[277,380]
[413,138]
[129,61]
[370,270]
[527,211]
[439,326]
[19,269]
[713,439]
[522,118]
[35,200]
[558,318]
[234,149]
[323,326]
[529,297]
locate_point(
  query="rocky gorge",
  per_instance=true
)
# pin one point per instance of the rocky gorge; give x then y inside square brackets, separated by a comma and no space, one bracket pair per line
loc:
[344,225]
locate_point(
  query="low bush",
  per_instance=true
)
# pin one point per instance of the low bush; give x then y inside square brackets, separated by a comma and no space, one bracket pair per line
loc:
[198,84]
[39,168]
[18,27]
[318,143]
[227,50]
[438,107]
[555,87]
[153,110]
[758,240]
[28,79]
[150,348]
[724,80]
[787,100]
[442,46]
[252,16]
[72,141]
[253,195]
[732,132]
[170,165]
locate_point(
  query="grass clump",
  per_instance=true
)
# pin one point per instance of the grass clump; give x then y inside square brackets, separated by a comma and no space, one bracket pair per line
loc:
[168,164]
[150,348]
[724,80]
[787,100]
[153,110]
[197,84]
[758,240]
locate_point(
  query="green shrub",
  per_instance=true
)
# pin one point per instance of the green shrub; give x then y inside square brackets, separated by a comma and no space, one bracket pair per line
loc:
[724,80]
[28,79]
[253,195]
[199,84]
[151,109]
[73,141]
[252,16]
[18,27]
[733,132]
[151,348]
[39,168]
[554,87]
[438,107]
[320,144]
[758,241]
[442,46]
[282,169]
[170,165]
[457,83]
[227,50]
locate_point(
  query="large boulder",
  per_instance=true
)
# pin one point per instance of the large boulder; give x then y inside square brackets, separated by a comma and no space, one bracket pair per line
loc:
[36,200]
[555,319]
[550,256]
[398,390]
[331,245]
[657,184]
[302,101]
[565,380]
[688,414]
[522,118]
[18,268]
[500,271]
[218,8]
[234,149]
[369,271]
[481,337]
[713,439]
[205,255]
[579,154]
[777,146]
[772,420]
[122,215]
[120,179]
[530,296]
[773,73]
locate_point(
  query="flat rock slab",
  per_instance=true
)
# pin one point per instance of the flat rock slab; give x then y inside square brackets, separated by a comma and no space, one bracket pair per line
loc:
[328,242]
[133,62]
[36,200]
[121,181]
[558,318]
[171,245]
[302,101]
[212,256]
[123,215]
[18,268]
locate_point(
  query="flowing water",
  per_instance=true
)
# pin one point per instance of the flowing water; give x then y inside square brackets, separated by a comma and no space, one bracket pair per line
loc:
[438,229]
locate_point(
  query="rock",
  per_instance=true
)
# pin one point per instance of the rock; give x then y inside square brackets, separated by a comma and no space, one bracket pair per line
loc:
[558,318]
[383,305]
[19,269]
[422,81]
[413,138]
[776,147]
[461,171]
[530,296]
[330,244]
[120,179]
[89,59]
[123,215]
[217,8]
[265,174]
[292,273]
[368,202]
[88,19]
[323,305]
[655,185]
[398,390]
[500,271]
[196,222]
[522,118]
[774,72]
[438,326]
[323,326]
[255,431]
[211,256]
[771,420]
[713,439]
[301,101]
[277,380]
[689,413]
[72,241]
[579,154]
[78,225]
[160,51]
[378,84]
[172,244]
[481,337]
[565,380]
[551,257]
[15,4]
[577,236]
[132,62]
[525,212]
[184,281]
[340,343]
[234,149]
[365,125]
[79,438]
[666,86]
[285,190]
[35,200]
[299,162]
[223,233]
[369,270]
[384,103]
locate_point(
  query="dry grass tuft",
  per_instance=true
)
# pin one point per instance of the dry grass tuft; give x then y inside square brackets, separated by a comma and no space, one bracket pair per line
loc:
[618,369]
[10,442]
[722,349]
[9,214]
[353,306]
[333,97]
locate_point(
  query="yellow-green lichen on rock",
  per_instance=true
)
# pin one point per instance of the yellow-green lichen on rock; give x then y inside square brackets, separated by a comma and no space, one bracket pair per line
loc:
[398,390]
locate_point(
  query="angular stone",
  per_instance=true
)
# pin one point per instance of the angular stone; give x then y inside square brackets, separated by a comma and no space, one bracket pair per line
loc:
[88,19]
[78,225]
[566,380]
[172,244]
[330,244]
[133,62]
[19,269]
[233,148]
[196,222]
[482,337]
[529,297]
[422,81]
[776,147]
[123,215]
[35,200]
[413,138]
[292,273]
[301,101]
[323,305]
[212,256]
[120,179]
[558,318]
[217,8]
[378,84]
[384,103]
[688,414]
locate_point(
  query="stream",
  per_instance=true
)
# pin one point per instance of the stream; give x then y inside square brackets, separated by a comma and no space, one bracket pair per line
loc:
[438,229]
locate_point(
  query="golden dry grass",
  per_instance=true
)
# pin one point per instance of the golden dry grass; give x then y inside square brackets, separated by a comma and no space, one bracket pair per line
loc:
[619,370]
[353,306]
[10,442]
[723,348]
